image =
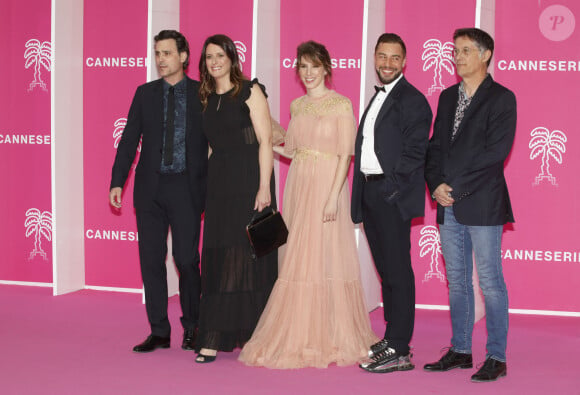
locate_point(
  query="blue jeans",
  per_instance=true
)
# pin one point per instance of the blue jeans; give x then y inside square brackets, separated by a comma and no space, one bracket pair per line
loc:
[459,243]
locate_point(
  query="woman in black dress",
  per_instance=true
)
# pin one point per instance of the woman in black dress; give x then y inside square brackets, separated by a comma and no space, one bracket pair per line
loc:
[236,121]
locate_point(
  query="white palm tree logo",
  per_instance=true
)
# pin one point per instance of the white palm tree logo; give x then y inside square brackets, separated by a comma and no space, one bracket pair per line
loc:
[440,56]
[39,224]
[549,145]
[37,54]
[241,48]
[431,242]
[119,125]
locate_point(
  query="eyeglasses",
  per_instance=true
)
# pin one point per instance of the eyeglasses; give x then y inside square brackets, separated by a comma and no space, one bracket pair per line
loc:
[465,51]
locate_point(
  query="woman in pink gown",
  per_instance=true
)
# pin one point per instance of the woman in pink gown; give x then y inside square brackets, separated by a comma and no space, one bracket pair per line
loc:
[316,313]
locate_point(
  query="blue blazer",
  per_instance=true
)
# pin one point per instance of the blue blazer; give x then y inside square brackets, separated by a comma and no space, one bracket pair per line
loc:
[473,163]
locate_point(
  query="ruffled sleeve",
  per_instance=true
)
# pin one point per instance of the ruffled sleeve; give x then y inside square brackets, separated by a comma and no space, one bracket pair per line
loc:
[346,126]
[247,89]
[289,144]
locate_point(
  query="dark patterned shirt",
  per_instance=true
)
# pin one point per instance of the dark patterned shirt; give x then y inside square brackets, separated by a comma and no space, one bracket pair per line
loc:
[463,102]
[178,165]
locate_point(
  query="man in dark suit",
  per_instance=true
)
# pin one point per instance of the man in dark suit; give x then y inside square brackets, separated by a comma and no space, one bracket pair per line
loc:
[170,186]
[388,191]
[472,137]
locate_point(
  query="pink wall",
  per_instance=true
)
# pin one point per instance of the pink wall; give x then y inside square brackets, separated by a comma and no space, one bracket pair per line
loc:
[541,254]
[25,234]
[115,48]
[547,208]
[200,20]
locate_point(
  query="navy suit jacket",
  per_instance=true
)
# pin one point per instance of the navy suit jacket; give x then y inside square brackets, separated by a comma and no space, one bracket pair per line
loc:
[473,163]
[145,120]
[401,138]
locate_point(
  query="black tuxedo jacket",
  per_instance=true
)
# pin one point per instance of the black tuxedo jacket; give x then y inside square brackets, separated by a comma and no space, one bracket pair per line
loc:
[145,120]
[473,163]
[401,138]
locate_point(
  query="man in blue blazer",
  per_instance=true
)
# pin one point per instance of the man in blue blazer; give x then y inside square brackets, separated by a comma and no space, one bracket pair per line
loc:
[388,191]
[473,135]
[170,186]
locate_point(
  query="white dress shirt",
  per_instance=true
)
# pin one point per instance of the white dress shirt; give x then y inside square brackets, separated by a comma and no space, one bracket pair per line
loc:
[369,164]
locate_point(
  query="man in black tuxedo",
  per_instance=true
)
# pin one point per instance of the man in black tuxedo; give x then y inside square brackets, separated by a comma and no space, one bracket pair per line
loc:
[473,134]
[388,191]
[170,186]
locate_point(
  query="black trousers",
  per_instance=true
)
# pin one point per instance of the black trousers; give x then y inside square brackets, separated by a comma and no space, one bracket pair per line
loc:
[172,207]
[389,238]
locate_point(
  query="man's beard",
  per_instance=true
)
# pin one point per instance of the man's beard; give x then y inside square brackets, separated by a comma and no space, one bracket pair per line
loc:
[387,81]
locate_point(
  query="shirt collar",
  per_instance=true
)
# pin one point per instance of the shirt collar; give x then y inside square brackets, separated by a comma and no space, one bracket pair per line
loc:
[391,86]
[179,87]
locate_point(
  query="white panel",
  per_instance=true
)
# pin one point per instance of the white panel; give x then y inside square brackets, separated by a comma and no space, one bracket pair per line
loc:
[373,27]
[265,59]
[67,146]
[487,23]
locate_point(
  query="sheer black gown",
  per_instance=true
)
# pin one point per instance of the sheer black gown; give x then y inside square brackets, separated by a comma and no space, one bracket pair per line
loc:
[235,287]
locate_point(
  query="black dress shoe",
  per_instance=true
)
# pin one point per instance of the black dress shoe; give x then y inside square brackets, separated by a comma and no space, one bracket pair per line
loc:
[387,361]
[151,343]
[491,370]
[378,347]
[189,336]
[449,361]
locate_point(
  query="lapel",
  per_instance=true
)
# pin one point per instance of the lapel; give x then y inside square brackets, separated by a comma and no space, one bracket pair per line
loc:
[390,100]
[479,98]
[359,134]
[362,121]
[157,109]
[189,110]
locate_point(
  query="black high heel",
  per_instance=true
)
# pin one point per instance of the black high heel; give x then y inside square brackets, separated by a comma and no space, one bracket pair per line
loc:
[205,358]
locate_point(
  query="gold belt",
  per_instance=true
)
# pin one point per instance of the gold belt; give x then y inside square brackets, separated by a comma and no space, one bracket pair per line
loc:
[303,153]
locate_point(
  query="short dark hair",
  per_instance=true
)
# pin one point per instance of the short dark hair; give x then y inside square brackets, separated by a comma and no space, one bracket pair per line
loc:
[180,41]
[317,54]
[391,38]
[482,40]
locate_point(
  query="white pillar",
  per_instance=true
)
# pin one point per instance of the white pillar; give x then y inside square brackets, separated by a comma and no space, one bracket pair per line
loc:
[68,253]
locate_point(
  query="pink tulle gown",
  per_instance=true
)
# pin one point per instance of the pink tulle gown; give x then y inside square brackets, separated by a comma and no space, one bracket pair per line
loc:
[316,313]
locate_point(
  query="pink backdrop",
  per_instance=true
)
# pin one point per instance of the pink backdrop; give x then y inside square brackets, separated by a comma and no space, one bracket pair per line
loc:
[200,20]
[115,48]
[26,230]
[301,20]
[546,205]
[428,36]
[536,56]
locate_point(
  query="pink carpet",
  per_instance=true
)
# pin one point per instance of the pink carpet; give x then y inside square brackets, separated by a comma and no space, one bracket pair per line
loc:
[81,344]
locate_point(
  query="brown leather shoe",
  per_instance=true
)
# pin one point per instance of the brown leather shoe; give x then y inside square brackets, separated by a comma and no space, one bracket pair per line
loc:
[449,361]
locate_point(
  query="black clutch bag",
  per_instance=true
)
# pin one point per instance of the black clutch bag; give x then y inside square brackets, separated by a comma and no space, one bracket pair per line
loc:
[266,231]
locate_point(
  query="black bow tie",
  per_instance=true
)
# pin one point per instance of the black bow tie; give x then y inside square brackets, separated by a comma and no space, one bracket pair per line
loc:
[380,88]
